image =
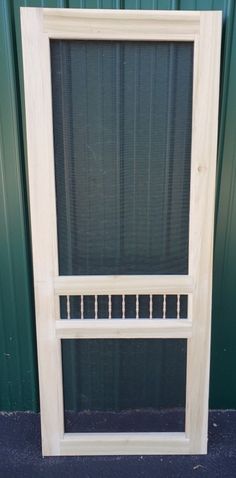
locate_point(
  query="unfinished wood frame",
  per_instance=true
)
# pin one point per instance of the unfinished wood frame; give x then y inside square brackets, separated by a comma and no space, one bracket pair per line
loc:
[204,29]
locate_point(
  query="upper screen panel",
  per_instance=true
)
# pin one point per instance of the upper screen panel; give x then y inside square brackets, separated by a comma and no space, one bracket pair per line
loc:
[122,118]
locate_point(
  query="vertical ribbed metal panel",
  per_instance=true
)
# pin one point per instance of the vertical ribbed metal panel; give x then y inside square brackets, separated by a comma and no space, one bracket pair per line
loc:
[17,339]
[223,385]
[18,382]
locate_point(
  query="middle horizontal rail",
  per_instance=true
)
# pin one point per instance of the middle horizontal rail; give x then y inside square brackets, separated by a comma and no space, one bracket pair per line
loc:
[118,328]
[86,285]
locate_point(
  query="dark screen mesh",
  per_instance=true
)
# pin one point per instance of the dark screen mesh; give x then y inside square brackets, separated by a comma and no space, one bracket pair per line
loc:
[124,384]
[122,139]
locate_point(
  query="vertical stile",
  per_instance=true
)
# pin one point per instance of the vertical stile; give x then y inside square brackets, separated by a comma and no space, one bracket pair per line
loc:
[82,306]
[137,306]
[109,307]
[164,307]
[178,306]
[95,307]
[150,307]
[123,307]
[68,307]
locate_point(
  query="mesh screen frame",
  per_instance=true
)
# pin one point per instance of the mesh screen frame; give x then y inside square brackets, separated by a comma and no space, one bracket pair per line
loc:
[122,174]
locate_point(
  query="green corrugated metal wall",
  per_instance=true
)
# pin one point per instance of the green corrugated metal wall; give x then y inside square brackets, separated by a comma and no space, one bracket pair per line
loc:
[18,365]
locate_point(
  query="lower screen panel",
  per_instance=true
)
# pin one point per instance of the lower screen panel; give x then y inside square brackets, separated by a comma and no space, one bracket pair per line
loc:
[124,385]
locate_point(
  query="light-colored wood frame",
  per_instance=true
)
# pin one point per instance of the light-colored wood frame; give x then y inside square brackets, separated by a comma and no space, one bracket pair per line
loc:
[204,29]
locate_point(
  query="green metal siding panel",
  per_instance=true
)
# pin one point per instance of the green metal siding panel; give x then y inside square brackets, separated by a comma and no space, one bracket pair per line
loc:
[17,357]
[223,389]
[17,339]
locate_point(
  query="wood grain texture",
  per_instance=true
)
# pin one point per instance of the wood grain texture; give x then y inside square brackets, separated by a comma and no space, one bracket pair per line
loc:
[202,197]
[43,222]
[76,285]
[124,444]
[120,24]
[124,329]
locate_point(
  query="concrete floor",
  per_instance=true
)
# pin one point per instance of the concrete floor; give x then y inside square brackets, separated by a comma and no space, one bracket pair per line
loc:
[20,455]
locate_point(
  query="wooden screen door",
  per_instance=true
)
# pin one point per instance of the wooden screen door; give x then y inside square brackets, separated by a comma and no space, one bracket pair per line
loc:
[121,111]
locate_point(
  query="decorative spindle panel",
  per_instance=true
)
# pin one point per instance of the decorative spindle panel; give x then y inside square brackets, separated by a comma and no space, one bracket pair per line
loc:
[139,307]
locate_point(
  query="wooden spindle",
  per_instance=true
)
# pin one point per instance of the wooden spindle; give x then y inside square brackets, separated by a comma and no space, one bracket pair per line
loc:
[150,307]
[68,307]
[95,307]
[137,306]
[109,307]
[164,307]
[82,307]
[178,306]
[123,307]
